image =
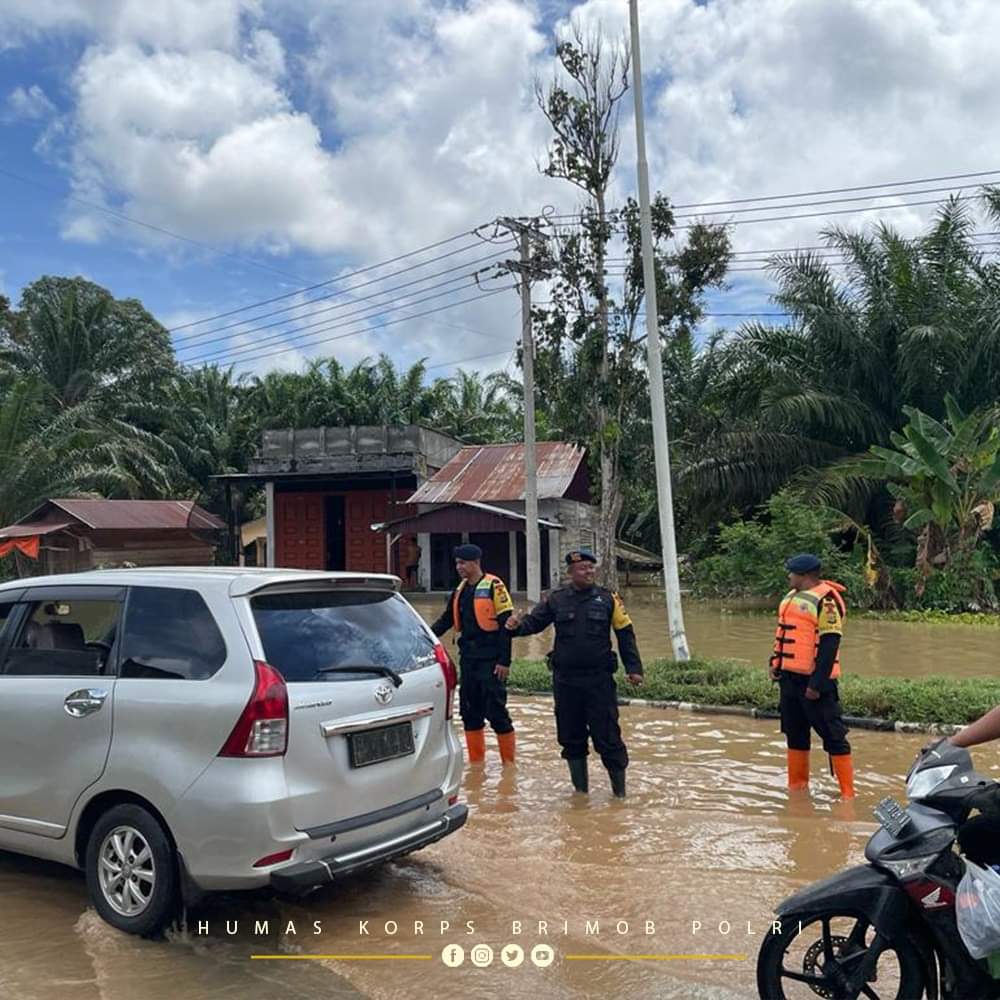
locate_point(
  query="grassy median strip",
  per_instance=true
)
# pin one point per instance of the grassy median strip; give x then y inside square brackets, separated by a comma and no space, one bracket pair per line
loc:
[942,700]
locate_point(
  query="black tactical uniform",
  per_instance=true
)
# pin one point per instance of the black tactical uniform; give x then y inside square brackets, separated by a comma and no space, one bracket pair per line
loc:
[583,667]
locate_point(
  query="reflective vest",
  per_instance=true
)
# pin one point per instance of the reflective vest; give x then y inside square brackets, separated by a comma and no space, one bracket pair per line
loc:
[482,605]
[796,639]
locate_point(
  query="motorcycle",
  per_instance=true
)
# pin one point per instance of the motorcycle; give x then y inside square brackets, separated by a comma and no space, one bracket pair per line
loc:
[888,929]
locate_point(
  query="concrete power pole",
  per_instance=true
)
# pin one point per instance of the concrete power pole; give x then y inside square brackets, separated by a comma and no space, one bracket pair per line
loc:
[526,232]
[661,448]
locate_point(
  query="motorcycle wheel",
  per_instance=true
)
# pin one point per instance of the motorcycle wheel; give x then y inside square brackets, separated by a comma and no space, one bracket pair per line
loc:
[818,960]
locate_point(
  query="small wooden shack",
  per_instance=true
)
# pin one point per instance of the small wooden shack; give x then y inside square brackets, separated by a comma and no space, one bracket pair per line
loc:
[70,535]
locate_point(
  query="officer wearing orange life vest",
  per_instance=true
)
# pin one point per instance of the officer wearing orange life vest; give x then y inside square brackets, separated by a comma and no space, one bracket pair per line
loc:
[806,662]
[477,610]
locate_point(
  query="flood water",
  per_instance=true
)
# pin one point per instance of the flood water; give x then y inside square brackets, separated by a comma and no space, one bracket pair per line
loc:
[707,835]
[892,649]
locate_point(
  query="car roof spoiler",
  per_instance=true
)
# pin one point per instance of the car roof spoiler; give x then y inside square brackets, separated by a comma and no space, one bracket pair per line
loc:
[298,580]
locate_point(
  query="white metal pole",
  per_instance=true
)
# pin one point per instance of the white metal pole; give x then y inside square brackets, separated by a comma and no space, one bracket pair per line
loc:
[665,501]
[532,540]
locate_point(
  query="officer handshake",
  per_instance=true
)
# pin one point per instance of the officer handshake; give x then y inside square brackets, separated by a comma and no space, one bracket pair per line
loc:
[583,665]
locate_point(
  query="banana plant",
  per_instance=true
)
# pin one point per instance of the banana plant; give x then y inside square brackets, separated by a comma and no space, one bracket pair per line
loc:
[945,477]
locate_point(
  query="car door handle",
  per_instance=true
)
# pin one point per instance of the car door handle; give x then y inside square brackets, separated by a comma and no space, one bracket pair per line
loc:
[86,701]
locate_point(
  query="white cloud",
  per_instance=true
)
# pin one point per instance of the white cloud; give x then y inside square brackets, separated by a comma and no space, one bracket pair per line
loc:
[27,104]
[179,24]
[367,129]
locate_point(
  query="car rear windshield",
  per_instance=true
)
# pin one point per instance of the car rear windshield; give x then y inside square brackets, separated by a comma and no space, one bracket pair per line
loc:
[303,633]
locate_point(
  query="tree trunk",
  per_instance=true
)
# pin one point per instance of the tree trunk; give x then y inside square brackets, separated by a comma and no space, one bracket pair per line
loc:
[610,499]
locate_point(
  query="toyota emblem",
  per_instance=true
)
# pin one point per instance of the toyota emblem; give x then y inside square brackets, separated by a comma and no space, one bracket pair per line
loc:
[383,694]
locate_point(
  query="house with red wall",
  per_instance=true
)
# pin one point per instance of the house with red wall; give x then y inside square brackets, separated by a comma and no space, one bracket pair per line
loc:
[326,486]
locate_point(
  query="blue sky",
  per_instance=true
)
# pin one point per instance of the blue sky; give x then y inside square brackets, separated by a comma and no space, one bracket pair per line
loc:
[321,137]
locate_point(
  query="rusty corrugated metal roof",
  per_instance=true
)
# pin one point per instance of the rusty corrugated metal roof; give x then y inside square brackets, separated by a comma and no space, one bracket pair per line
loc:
[492,472]
[29,528]
[116,515]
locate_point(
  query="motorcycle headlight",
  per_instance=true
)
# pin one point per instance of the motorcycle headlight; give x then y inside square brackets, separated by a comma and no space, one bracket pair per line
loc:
[924,782]
[906,867]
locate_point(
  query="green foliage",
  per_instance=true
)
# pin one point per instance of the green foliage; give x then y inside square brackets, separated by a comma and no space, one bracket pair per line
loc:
[751,554]
[942,700]
[904,323]
[945,477]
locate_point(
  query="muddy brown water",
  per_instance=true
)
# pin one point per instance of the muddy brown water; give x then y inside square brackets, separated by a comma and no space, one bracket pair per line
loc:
[871,647]
[708,835]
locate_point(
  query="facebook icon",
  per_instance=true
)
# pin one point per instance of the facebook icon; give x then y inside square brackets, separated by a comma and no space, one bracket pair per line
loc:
[453,955]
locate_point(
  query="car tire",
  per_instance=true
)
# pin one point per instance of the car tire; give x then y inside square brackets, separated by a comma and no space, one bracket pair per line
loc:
[131,869]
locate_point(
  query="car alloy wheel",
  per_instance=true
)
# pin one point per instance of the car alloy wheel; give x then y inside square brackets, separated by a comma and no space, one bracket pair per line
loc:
[126,871]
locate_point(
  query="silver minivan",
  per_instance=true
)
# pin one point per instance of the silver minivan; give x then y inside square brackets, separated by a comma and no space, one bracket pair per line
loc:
[179,731]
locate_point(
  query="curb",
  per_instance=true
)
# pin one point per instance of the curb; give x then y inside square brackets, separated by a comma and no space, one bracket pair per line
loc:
[747,712]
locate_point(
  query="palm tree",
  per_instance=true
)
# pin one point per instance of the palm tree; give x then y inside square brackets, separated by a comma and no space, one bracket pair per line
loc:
[909,321]
[78,341]
[475,409]
[70,453]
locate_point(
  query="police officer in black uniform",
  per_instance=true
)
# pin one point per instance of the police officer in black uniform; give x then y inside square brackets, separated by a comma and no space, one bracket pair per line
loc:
[583,666]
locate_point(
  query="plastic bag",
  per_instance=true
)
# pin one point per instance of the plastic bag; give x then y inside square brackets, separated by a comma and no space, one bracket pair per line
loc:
[977,910]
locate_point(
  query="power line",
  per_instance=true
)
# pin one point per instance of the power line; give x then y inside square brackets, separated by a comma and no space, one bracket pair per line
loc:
[817,215]
[145,225]
[366,329]
[464,266]
[811,194]
[365,313]
[475,357]
[329,281]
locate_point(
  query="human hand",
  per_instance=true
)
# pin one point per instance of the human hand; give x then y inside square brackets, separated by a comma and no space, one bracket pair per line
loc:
[634,679]
[774,673]
[513,621]
[812,694]
[501,671]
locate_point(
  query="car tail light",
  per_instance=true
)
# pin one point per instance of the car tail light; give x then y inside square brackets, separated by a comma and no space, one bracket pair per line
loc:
[450,676]
[452,799]
[273,859]
[262,729]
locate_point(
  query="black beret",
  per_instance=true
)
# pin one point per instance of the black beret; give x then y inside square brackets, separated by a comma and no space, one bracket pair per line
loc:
[580,555]
[468,552]
[804,562]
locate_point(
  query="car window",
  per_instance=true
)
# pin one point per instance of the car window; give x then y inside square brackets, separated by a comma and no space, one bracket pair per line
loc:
[304,632]
[6,610]
[64,637]
[170,634]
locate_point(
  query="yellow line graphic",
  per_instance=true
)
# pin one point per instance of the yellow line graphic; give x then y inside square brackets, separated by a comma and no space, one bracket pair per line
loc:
[342,958]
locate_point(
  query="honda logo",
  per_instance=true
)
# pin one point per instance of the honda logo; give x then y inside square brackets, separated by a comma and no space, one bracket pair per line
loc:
[383,694]
[933,899]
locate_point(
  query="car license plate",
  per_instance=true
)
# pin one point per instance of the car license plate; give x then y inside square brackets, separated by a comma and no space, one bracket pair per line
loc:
[371,746]
[892,816]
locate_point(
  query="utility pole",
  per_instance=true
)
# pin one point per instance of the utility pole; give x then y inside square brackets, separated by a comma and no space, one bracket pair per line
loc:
[526,233]
[661,448]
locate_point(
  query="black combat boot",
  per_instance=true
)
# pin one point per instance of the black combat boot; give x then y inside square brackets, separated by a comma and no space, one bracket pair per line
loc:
[578,772]
[617,775]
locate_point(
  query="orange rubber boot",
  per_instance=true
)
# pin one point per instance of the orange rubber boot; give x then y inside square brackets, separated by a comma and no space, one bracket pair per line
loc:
[843,767]
[507,743]
[798,769]
[475,742]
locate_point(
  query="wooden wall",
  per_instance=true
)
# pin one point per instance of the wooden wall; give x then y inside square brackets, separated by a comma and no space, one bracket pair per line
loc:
[300,529]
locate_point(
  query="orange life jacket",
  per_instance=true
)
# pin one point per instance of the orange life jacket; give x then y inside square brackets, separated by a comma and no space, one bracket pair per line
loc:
[482,604]
[796,639]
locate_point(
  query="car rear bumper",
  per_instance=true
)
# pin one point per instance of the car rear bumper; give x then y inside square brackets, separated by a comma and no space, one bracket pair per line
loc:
[321,871]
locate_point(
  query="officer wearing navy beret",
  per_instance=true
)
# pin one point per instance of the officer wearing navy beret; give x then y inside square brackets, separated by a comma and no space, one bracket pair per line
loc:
[806,662]
[478,609]
[583,667]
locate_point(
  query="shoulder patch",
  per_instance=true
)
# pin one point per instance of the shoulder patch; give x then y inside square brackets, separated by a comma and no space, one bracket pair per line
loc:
[620,617]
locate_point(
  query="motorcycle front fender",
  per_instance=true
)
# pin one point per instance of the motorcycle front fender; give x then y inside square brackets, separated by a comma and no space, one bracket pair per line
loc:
[863,890]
